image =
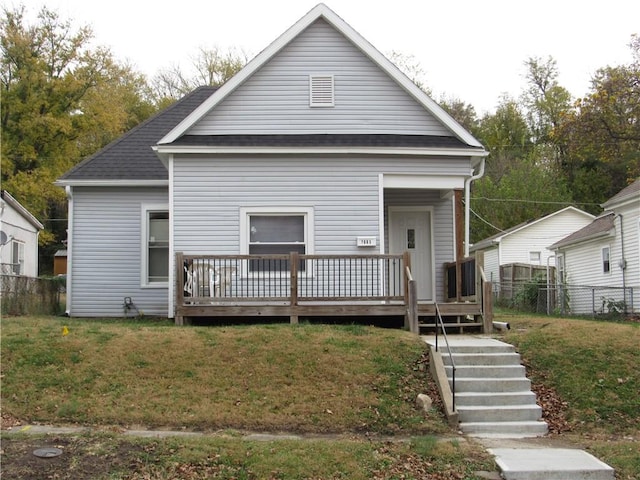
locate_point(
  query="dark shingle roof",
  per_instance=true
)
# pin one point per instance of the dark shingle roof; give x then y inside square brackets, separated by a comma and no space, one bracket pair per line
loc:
[130,157]
[600,226]
[320,140]
[623,194]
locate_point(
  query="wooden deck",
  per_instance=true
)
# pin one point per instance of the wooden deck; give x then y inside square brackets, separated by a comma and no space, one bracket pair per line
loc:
[306,286]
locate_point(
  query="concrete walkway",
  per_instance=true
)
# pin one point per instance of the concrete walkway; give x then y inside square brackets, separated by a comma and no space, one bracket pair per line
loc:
[532,458]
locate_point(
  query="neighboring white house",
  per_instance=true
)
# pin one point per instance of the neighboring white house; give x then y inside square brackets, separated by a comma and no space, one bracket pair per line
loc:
[529,242]
[605,253]
[20,229]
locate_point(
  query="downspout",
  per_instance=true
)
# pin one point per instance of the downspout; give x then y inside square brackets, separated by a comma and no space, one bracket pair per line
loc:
[69,285]
[467,201]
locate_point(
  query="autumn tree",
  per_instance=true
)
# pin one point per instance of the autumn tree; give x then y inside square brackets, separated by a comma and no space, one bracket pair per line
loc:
[211,66]
[602,135]
[61,101]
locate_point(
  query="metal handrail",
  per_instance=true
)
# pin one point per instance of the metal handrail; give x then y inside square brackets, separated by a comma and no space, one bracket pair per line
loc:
[439,322]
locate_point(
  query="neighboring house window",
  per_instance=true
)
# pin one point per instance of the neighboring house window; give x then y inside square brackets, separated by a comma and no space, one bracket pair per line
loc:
[534,258]
[275,232]
[606,261]
[321,92]
[560,264]
[17,257]
[156,246]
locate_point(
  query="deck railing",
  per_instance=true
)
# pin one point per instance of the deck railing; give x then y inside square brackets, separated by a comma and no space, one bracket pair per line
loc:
[290,279]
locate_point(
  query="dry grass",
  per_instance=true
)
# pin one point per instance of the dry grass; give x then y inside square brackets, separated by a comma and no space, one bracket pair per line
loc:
[305,378]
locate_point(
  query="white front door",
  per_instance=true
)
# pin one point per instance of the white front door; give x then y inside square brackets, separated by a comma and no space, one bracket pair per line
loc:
[410,231]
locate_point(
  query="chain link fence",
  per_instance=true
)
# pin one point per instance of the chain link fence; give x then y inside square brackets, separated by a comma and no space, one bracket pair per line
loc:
[581,300]
[22,295]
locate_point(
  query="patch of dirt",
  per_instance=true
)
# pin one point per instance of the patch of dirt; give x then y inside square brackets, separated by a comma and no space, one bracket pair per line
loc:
[81,459]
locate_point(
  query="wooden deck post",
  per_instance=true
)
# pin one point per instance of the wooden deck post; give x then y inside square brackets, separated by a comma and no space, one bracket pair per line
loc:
[179,296]
[412,307]
[294,259]
[487,308]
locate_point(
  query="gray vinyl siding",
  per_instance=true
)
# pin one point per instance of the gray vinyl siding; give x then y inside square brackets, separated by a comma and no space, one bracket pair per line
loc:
[106,249]
[442,223]
[276,98]
[343,193]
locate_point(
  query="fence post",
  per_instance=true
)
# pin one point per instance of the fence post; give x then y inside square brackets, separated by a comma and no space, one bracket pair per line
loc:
[294,258]
[487,308]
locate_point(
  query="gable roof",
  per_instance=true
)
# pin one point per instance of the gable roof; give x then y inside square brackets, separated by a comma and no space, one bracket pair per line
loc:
[624,195]
[324,12]
[17,206]
[600,227]
[497,238]
[130,157]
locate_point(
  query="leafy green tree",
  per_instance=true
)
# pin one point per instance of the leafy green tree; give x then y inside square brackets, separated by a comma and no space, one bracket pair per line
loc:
[602,134]
[61,101]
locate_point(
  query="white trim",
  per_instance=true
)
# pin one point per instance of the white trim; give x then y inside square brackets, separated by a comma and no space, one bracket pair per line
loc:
[430,210]
[436,182]
[369,50]
[455,227]
[382,248]
[172,255]
[404,151]
[20,261]
[70,223]
[130,182]
[145,208]
[309,229]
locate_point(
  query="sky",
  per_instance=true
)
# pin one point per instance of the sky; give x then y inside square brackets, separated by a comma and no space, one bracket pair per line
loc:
[471,50]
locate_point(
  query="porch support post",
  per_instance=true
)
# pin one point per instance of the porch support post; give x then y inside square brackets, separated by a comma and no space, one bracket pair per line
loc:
[294,259]
[179,319]
[460,226]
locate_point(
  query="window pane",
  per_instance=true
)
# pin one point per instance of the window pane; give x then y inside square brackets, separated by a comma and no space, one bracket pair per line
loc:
[158,247]
[606,266]
[276,228]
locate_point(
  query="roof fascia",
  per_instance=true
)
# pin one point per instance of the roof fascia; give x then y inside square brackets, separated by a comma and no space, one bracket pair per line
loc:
[596,236]
[321,11]
[17,206]
[163,151]
[132,182]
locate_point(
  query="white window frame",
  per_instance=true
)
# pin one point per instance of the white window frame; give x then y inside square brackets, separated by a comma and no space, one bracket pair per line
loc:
[17,262]
[144,243]
[245,214]
[537,261]
[560,268]
[322,90]
[606,249]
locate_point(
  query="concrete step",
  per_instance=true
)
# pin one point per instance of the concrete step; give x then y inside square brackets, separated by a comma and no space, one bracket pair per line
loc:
[526,397]
[499,413]
[495,385]
[486,371]
[501,358]
[550,464]
[483,349]
[524,429]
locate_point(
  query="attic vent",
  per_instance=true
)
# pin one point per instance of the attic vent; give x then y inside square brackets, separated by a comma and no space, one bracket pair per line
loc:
[321,91]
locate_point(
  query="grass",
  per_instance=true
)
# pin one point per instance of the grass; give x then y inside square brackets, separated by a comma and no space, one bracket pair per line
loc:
[102,456]
[594,367]
[305,378]
[353,380]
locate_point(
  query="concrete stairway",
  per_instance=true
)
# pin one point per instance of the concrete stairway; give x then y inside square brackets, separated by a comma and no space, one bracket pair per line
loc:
[493,394]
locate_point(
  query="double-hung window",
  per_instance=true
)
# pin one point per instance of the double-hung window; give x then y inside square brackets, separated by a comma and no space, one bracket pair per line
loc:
[278,231]
[155,254]
[606,260]
[17,257]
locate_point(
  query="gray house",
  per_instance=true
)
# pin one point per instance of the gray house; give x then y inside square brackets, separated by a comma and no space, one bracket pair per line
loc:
[318,181]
